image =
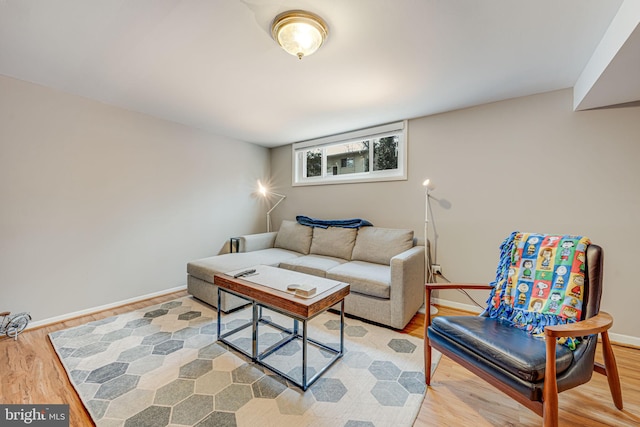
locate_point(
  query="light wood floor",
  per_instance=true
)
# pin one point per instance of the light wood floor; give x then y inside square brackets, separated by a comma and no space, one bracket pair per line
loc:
[31,373]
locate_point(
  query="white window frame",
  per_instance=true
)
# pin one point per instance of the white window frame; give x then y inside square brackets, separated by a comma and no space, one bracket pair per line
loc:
[299,149]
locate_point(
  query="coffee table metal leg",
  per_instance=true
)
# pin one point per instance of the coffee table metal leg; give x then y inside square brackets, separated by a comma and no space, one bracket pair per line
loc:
[219,310]
[304,353]
[254,340]
[222,337]
[341,328]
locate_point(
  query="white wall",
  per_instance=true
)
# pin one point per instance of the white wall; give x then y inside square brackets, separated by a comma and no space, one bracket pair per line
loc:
[100,205]
[529,164]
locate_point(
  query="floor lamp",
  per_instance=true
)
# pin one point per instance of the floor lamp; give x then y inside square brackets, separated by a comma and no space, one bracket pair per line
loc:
[429,186]
[263,190]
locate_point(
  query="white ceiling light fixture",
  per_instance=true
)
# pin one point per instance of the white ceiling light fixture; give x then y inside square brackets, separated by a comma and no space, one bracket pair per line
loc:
[299,32]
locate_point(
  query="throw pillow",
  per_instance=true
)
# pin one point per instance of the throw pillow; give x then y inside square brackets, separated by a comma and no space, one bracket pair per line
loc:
[379,245]
[294,237]
[335,242]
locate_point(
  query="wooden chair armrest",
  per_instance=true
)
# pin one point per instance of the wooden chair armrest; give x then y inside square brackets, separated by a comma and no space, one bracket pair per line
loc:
[437,286]
[594,325]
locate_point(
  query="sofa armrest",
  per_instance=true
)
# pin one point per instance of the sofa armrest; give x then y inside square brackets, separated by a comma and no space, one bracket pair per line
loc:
[256,242]
[407,284]
[410,255]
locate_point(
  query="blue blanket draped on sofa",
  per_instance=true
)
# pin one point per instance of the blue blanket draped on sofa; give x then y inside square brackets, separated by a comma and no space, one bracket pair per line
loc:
[325,223]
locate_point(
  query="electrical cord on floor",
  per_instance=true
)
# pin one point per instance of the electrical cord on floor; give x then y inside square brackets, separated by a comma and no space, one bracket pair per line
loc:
[460,290]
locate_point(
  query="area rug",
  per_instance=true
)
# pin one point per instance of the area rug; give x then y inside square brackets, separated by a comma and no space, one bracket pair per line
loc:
[162,366]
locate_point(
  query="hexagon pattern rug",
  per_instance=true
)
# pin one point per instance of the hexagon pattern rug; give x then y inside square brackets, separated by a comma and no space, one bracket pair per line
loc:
[162,366]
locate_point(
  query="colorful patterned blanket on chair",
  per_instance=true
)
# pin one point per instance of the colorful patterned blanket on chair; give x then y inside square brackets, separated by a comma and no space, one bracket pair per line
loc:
[539,282]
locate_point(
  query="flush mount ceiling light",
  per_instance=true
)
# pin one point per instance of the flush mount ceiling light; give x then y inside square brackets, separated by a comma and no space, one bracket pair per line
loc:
[300,33]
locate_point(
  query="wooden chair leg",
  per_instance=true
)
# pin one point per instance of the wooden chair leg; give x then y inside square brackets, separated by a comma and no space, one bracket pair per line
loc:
[611,369]
[550,390]
[427,362]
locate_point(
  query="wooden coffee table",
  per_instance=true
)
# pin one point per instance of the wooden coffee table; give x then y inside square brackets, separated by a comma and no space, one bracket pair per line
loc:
[267,289]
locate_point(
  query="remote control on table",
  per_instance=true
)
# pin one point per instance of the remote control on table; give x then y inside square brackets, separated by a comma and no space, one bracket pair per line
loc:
[244,273]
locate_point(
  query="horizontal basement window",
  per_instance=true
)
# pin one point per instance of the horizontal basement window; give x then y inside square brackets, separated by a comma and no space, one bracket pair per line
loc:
[373,154]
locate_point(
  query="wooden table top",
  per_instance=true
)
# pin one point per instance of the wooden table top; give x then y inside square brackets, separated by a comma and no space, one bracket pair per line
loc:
[301,307]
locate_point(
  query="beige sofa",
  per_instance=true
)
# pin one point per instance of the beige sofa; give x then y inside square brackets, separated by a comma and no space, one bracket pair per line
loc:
[383,266]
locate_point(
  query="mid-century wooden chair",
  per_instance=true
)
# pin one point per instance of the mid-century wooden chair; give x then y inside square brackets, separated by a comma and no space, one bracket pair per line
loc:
[530,369]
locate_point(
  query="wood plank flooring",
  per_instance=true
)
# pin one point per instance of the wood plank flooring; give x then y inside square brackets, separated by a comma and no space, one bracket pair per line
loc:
[30,372]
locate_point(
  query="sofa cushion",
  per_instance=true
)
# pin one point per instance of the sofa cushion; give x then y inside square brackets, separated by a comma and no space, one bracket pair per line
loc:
[335,242]
[379,245]
[364,277]
[206,268]
[294,237]
[316,265]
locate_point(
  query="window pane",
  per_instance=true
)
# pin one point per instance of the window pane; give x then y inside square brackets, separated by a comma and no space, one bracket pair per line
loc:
[385,153]
[314,162]
[350,157]
[357,156]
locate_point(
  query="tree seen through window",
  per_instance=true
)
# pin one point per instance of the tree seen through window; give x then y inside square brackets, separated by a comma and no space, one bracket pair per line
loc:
[385,153]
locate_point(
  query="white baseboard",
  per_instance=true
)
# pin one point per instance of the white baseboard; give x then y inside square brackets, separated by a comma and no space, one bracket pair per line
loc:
[68,316]
[624,339]
[615,338]
[457,305]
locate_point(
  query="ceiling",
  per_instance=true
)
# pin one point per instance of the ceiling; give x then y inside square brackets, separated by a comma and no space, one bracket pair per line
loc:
[212,64]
